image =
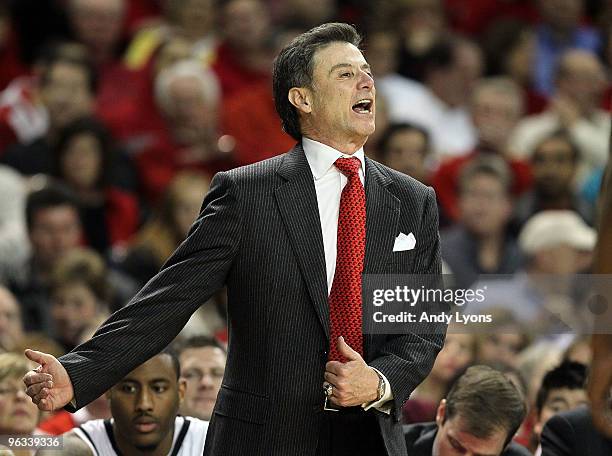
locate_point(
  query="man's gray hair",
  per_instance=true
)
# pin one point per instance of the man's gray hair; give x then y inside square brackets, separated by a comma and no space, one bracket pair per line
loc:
[186,69]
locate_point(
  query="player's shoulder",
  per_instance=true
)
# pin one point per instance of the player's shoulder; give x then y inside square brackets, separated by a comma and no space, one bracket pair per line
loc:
[93,426]
[196,423]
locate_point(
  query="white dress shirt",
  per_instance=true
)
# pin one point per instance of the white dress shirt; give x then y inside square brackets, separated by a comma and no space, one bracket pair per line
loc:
[329,182]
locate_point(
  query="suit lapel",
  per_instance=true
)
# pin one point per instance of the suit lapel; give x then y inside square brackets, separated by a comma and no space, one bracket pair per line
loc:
[382,222]
[297,202]
[382,219]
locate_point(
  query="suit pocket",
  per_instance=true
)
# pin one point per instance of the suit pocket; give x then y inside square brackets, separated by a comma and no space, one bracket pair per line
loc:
[241,405]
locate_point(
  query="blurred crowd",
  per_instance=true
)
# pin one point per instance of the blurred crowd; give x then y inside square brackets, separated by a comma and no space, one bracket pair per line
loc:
[115,115]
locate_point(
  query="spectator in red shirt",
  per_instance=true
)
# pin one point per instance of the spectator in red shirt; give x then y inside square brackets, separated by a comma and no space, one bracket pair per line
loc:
[188,97]
[245,55]
[67,88]
[496,108]
[250,117]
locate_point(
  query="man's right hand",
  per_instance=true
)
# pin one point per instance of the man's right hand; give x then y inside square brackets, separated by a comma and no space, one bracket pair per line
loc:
[48,385]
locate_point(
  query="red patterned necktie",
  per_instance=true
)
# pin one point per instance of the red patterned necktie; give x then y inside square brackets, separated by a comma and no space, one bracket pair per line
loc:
[345,297]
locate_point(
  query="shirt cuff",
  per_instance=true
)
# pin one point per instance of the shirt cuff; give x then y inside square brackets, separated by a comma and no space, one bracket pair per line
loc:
[384,404]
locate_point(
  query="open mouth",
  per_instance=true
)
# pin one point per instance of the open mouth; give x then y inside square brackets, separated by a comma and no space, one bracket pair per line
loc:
[363,106]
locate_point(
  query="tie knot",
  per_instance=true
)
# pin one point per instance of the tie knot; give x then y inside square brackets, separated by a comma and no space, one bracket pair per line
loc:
[348,166]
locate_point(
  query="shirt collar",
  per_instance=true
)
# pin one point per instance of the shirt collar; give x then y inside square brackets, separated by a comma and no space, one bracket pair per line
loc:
[321,157]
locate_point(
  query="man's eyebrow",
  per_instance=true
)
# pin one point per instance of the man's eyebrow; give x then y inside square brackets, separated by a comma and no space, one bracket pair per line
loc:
[364,66]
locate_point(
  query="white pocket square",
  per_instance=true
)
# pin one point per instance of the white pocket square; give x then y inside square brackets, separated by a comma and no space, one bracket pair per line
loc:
[404,242]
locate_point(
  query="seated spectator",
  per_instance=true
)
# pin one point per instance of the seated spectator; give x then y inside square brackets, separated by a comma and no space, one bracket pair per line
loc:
[421,24]
[406,148]
[510,47]
[481,243]
[84,159]
[188,97]
[54,229]
[561,28]
[80,296]
[455,356]
[439,104]
[572,434]
[18,414]
[580,82]
[14,245]
[136,121]
[496,107]
[67,86]
[557,242]
[11,327]
[250,118]
[563,389]
[556,245]
[554,164]
[100,26]
[479,416]
[503,341]
[244,55]
[202,366]
[144,407]
[158,238]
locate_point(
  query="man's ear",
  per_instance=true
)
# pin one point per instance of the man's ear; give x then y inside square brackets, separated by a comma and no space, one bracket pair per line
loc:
[300,98]
[441,412]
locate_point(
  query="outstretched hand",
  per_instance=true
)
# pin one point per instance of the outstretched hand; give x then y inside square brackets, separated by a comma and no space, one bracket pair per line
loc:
[48,385]
[353,382]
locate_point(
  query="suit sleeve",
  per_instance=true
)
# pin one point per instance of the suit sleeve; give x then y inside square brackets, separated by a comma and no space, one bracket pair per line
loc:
[407,359]
[557,437]
[154,317]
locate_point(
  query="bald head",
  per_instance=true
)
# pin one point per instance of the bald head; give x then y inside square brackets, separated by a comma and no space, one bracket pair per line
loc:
[581,77]
[11,329]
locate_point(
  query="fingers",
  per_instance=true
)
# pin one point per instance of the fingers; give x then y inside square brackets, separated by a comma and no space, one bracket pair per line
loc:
[331,378]
[346,350]
[37,388]
[335,367]
[38,357]
[32,378]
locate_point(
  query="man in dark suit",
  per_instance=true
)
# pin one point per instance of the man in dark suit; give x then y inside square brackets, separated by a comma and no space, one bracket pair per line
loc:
[480,415]
[573,434]
[290,237]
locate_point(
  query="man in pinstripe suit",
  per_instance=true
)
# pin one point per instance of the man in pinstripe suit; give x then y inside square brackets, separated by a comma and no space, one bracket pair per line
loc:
[276,234]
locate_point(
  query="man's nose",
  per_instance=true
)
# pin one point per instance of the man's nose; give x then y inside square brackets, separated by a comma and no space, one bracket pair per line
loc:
[144,400]
[207,381]
[366,81]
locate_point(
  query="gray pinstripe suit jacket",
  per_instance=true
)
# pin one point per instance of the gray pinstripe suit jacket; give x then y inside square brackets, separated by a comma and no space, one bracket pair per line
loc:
[259,234]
